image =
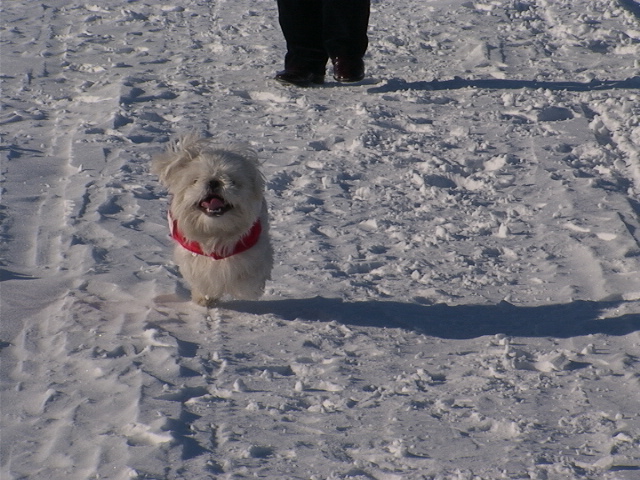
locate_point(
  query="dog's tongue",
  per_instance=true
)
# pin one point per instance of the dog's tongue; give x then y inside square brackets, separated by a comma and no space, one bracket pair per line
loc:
[213,203]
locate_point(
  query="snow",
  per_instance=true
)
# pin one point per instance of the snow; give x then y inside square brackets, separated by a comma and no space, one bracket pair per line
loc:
[456,292]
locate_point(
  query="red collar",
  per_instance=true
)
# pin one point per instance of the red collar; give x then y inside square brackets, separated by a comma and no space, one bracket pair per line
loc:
[244,244]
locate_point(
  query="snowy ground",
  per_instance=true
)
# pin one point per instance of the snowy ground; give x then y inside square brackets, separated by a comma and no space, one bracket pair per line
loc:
[457,283]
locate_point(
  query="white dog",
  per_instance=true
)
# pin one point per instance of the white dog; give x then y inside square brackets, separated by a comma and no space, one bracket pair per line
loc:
[218,216]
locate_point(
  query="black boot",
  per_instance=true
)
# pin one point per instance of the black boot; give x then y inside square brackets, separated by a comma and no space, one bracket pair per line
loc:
[348,69]
[299,78]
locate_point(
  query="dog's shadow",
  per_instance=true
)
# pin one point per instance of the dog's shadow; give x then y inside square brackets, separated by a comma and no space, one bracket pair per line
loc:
[399,84]
[454,322]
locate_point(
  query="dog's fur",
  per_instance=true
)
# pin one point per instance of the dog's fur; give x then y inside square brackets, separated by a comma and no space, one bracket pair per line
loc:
[217,196]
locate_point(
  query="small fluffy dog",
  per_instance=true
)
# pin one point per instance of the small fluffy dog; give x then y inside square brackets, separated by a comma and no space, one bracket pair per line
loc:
[218,217]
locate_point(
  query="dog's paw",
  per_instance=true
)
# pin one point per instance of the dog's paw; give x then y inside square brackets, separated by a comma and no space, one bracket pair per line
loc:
[204,300]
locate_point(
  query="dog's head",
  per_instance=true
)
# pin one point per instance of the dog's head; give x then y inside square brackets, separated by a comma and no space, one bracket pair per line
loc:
[217,190]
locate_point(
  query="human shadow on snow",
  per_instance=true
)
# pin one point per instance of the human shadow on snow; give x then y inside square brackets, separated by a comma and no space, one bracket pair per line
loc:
[454,322]
[399,84]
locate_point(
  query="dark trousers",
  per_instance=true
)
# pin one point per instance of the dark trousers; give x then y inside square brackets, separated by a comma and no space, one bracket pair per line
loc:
[316,30]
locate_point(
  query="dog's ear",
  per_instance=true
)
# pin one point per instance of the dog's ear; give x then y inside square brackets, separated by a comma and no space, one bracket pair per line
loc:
[250,155]
[177,155]
[165,164]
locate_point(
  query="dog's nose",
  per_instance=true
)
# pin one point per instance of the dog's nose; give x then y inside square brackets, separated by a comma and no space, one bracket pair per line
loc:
[215,184]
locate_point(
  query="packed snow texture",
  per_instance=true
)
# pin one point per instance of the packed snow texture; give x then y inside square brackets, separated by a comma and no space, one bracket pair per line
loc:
[457,284]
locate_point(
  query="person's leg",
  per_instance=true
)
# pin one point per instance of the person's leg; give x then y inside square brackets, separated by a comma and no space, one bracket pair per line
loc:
[345,24]
[345,27]
[301,24]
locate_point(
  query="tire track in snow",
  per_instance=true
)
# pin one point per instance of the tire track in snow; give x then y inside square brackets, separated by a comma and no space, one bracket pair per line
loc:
[59,356]
[585,233]
[89,391]
[617,124]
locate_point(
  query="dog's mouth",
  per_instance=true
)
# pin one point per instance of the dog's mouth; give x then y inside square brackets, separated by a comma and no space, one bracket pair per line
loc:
[214,206]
